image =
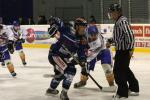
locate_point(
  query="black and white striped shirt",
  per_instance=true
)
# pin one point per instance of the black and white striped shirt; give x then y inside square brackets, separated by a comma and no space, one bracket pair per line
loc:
[123,35]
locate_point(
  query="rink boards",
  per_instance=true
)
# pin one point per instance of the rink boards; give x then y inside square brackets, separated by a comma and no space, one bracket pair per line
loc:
[48,46]
[141,32]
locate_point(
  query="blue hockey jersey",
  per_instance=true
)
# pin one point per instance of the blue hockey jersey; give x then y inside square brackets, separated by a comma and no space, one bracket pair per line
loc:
[68,40]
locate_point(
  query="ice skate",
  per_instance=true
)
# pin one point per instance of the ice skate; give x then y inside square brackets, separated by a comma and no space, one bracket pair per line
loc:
[51,92]
[132,93]
[3,64]
[63,95]
[24,63]
[79,84]
[13,74]
[117,97]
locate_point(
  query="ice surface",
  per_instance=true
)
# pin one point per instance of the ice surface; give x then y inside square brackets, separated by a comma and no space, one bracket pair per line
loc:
[31,82]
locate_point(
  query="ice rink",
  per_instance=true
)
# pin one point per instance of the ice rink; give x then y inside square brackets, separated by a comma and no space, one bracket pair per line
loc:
[31,82]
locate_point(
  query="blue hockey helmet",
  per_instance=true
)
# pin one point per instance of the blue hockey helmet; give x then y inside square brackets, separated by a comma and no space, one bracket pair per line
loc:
[16,23]
[92,30]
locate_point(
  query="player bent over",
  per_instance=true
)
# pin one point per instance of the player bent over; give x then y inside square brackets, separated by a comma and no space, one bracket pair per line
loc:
[97,51]
[60,54]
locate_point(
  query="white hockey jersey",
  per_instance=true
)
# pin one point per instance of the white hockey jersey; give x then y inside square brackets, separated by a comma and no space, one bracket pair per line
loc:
[95,47]
[17,35]
[5,36]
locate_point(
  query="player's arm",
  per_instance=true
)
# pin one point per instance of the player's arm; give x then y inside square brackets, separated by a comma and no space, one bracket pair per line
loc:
[83,46]
[24,35]
[55,47]
[10,44]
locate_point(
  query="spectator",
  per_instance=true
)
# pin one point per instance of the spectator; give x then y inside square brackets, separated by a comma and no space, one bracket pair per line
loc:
[22,21]
[30,21]
[42,20]
[92,20]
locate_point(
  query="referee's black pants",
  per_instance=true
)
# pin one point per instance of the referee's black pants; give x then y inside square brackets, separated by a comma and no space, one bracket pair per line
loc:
[124,77]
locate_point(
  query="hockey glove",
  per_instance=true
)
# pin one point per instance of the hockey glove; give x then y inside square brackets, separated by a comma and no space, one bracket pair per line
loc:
[110,41]
[21,40]
[10,46]
[84,70]
[131,52]
[108,45]
[52,30]
[82,64]
[1,55]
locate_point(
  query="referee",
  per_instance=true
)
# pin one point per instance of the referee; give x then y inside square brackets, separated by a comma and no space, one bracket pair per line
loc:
[123,39]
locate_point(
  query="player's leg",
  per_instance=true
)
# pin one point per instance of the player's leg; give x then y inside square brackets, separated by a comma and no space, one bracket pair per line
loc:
[1,58]
[68,78]
[106,62]
[9,64]
[84,76]
[22,56]
[54,83]
[2,63]
[58,77]
[19,48]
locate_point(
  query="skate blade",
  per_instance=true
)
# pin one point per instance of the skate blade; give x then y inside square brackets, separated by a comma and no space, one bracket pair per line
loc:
[48,75]
[49,94]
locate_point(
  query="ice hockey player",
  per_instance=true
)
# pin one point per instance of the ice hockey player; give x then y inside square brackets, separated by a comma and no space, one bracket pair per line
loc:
[97,51]
[6,46]
[60,54]
[19,36]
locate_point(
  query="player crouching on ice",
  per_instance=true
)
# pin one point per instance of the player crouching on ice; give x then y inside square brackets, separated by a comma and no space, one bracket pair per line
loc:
[60,55]
[6,46]
[97,51]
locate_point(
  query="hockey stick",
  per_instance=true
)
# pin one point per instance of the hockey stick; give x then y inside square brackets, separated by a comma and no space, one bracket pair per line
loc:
[104,89]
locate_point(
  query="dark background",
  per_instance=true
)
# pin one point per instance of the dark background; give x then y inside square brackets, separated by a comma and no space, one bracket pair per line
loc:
[13,9]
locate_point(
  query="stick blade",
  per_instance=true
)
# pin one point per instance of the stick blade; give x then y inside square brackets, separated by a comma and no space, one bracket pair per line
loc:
[109,89]
[48,75]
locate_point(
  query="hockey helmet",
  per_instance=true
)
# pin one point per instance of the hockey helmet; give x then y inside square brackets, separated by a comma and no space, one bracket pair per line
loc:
[80,22]
[115,7]
[16,23]
[92,30]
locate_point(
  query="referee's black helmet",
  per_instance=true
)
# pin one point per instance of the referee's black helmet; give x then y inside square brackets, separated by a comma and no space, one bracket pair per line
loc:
[115,7]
